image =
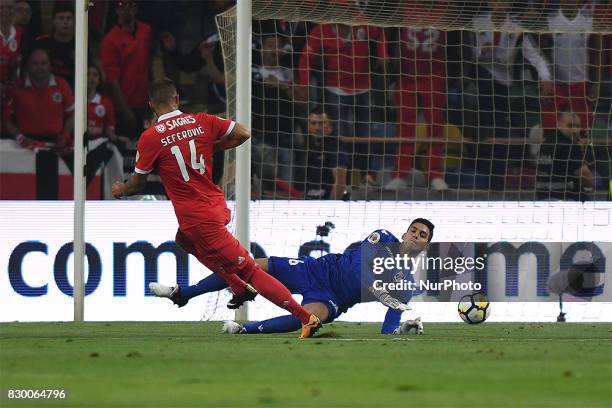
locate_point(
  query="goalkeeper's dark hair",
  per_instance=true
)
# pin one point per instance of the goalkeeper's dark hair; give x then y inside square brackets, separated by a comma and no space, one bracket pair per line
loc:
[162,91]
[427,223]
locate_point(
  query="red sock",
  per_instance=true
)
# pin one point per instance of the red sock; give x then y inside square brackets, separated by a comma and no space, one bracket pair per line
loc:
[270,288]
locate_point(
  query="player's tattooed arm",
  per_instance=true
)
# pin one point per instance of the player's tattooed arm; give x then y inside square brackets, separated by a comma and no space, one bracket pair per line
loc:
[134,185]
[238,136]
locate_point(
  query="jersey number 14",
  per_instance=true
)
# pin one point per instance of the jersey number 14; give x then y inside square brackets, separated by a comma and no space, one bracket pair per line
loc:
[197,164]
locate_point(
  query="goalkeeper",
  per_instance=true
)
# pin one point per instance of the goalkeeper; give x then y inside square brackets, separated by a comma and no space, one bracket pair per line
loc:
[330,285]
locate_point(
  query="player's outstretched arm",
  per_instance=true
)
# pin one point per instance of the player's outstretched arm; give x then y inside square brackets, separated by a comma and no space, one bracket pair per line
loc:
[386,299]
[134,185]
[238,136]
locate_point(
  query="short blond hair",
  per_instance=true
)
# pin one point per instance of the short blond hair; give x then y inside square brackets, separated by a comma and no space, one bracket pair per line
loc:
[162,91]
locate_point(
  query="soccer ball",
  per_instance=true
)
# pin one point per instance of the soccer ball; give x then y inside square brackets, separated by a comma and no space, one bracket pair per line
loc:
[474,308]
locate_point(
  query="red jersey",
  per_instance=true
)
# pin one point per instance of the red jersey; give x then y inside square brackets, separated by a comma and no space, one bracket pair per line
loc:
[100,116]
[125,57]
[180,146]
[41,113]
[346,60]
[423,52]
[10,53]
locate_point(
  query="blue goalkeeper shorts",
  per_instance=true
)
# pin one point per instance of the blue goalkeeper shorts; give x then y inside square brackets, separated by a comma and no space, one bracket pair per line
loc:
[307,277]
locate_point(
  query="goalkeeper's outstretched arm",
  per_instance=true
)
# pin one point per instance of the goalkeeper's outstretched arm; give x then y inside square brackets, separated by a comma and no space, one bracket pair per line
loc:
[392,321]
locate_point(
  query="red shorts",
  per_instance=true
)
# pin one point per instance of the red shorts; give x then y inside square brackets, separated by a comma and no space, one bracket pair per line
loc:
[217,249]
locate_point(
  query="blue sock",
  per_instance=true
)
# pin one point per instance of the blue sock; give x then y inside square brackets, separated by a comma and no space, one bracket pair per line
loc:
[212,283]
[281,324]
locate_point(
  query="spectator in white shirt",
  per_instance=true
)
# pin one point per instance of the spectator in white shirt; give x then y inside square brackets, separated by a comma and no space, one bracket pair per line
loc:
[273,107]
[497,42]
[575,55]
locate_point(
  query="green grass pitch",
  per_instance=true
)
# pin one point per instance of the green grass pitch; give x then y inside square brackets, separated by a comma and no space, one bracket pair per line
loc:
[346,365]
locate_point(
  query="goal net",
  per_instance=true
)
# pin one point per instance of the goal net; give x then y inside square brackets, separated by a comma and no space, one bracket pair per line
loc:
[491,118]
[427,95]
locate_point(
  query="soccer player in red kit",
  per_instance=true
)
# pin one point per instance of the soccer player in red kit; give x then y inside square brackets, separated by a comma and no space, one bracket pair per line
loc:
[180,147]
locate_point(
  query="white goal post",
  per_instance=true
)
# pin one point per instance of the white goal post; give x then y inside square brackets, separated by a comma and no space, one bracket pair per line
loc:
[80,126]
[243,116]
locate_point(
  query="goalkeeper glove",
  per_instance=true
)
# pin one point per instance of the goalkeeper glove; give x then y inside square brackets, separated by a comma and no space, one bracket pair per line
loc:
[232,327]
[410,327]
[389,301]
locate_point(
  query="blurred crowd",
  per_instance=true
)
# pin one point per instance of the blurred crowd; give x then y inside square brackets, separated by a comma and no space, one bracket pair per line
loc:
[336,109]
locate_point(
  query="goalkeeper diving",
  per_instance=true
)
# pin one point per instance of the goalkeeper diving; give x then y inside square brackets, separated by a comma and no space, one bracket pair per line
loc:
[329,285]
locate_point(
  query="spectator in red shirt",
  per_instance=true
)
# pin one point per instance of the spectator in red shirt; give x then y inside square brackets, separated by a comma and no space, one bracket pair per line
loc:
[10,46]
[101,131]
[23,13]
[41,115]
[24,20]
[422,83]
[125,56]
[343,53]
[60,44]
[100,108]
[42,107]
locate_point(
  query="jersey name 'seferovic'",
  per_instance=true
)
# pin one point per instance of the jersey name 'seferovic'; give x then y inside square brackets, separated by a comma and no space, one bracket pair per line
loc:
[180,147]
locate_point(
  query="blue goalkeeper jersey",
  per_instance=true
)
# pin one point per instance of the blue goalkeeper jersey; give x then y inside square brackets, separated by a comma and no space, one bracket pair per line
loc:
[349,281]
